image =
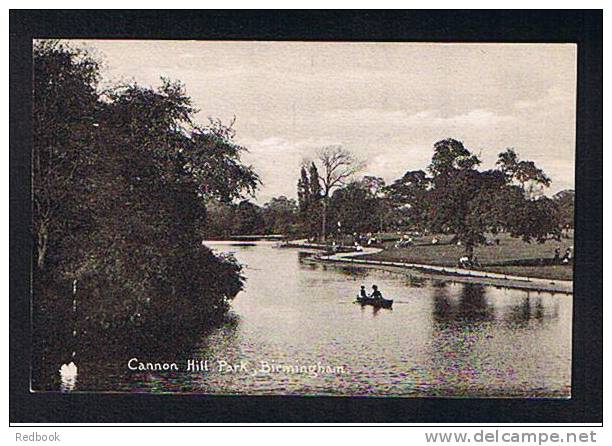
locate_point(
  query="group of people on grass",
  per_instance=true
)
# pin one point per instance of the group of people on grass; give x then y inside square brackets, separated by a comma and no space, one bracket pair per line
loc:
[567,257]
[468,262]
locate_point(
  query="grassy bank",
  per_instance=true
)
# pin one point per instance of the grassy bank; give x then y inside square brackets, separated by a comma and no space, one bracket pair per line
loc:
[511,256]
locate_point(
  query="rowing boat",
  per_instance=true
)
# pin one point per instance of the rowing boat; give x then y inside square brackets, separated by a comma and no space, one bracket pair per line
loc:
[378,303]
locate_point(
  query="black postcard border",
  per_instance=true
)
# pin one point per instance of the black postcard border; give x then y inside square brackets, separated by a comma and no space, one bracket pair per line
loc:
[583,27]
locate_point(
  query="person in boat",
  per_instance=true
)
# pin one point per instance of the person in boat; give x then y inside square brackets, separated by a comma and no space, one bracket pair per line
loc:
[375,293]
[362,292]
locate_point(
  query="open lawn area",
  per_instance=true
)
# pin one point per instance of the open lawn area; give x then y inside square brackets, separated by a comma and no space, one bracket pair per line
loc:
[511,256]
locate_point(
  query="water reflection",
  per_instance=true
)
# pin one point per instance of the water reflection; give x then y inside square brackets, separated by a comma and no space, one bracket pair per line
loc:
[520,314]
[414,281]
[441,339]
[353,272]
[302,255]
[437,283]
[531,310]
[471,305]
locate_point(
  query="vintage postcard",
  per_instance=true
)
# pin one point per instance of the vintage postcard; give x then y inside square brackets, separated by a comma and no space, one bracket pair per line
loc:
[303,218]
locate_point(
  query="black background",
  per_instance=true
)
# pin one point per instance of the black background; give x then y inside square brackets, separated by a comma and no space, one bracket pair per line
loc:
[581,27]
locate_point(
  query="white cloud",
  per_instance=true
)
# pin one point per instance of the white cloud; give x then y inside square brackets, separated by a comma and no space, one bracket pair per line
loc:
[387,103]
[424,118]
[278,161]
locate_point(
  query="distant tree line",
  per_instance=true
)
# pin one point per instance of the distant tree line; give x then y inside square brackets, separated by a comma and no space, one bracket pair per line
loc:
[278,216]
[450,196]
[120,179]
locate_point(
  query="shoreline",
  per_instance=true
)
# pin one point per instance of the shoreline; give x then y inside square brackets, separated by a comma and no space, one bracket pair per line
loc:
[439,272]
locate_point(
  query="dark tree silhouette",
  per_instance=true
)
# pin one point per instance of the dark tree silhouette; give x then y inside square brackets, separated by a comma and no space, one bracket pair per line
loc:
[120,181]
[461,200]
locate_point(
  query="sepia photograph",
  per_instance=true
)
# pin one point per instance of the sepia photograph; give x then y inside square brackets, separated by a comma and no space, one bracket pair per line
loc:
[370,218]
[303,218]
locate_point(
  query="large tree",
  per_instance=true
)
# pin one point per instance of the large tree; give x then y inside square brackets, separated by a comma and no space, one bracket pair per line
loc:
[336,166]
[303,192]
[450,156]
[523,173]
[214,159]
[120,182]
[565,202]
[248,219]
[64,119]
[455,183]
[457,198]
[357,207]
[382,208]
[469,203]
[280,216]
[309,198]
[219,220]
[409,195]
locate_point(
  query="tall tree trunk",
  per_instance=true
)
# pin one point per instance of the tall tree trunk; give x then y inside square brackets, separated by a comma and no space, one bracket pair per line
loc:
[324,219]
[42,245]
[469,250]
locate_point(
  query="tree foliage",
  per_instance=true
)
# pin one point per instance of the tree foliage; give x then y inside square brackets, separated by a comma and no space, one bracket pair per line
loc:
[565,203]
[64,108]
[337,166]
[120,181]
[449,157]
[358,207]
[280,216]
[409,196]
[451,196]
[524,173]
[310,199]
[459,199]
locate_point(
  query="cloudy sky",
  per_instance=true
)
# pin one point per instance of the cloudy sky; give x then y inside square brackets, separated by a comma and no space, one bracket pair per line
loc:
[386,102]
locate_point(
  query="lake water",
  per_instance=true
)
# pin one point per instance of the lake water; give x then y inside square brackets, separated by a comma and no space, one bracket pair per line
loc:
[440,339]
